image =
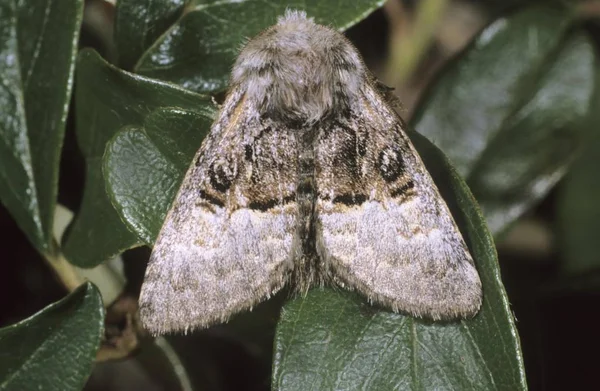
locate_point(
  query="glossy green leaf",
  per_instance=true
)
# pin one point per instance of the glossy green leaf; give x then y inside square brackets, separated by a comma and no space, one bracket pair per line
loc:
[139,23]
[511,111]
[198,51]
[332,340]
[54,349]
[131,160]
[539,141]
[579,212]
[108,99]
[178,133]
[143,170]
[38,42]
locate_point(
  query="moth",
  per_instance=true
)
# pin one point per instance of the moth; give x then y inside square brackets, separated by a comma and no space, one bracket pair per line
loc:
[307,177]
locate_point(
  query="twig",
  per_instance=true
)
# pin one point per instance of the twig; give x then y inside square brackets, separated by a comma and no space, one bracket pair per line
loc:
[65,271]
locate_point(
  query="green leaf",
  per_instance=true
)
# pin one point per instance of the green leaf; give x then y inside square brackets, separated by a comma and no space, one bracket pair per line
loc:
[54,349]
[579,212]
[144,170]
[139,23]
[335,340]
[142,211]
[198,51]
[511,111]
[108,99]
[186,130]
[38,42]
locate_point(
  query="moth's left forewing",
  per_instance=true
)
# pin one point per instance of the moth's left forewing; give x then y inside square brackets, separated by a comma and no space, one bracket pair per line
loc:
[226,244]
[382,226]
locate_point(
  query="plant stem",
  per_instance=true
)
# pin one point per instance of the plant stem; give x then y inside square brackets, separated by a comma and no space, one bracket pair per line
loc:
[65,271]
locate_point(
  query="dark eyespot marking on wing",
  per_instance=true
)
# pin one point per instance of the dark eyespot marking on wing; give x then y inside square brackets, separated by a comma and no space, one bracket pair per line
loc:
[221,176]
[390,164]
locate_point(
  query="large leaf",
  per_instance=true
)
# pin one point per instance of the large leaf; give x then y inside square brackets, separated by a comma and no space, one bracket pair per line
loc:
[143,170]
[139,23]
[511,111]
[54,349]
[335,340]
[198,51]
[107,99]
[38,42]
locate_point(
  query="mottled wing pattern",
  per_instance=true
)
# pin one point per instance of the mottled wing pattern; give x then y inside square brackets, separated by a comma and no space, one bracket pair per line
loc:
[382,226]
[226,243]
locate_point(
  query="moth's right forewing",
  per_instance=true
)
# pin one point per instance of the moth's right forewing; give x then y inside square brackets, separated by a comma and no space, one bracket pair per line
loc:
[226,243]
[382,226]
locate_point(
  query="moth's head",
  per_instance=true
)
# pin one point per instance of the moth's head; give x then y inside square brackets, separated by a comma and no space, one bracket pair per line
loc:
[298,70]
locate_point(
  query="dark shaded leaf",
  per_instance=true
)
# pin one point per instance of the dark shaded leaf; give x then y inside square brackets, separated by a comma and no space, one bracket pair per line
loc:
[512,110]
[54,349]
[37,53]
[579,212]
[139,23]
[335,340]
[108,99]
[198,51]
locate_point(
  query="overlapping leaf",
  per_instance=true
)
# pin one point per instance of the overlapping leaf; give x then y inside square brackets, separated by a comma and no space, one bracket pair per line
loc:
[38,40]
[54,349]
[144,167]
[198,51]
[511,111]
[139,23]
[108,99]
